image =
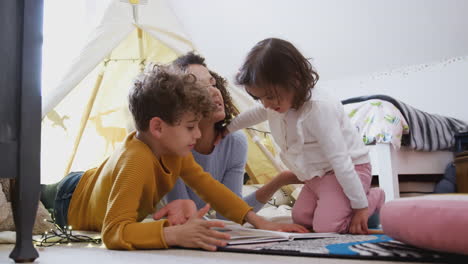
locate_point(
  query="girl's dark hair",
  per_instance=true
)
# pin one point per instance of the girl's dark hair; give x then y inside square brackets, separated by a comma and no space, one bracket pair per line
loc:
[167,94]
[230,109]
[274,63]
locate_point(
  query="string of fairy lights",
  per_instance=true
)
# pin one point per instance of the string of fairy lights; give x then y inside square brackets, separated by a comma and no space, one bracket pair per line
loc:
[63,235]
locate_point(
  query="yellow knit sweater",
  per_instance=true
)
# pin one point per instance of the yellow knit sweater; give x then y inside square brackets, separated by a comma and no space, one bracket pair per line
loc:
[115,197]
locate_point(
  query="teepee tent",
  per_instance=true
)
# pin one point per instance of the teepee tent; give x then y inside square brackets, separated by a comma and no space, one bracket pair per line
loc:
[86,115]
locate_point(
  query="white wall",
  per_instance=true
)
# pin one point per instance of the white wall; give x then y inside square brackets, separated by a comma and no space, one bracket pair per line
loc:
[437,88]
[344,38]
[401,48]
[350,42]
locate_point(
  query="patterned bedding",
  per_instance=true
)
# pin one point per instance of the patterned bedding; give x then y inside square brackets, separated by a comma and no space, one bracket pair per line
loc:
[378,121]
[428,132]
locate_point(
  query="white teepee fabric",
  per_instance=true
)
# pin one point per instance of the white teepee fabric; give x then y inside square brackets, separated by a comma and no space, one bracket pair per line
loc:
[86,115]
[120,19]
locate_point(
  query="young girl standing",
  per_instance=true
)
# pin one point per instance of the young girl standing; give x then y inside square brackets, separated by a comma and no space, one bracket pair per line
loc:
[317,141]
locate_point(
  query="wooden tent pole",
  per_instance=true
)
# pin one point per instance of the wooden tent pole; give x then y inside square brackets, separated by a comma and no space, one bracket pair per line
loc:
[264,150]
[85,116]
[141,50]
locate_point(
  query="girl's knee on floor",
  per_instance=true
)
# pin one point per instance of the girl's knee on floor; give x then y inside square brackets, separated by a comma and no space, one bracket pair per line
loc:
[331,225]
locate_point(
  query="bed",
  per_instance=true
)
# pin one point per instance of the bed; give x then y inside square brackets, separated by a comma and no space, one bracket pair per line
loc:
[402,140]
[388,162]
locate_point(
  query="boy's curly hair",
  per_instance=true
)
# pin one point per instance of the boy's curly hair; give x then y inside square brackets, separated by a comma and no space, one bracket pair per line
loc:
[166,93]
[230,109]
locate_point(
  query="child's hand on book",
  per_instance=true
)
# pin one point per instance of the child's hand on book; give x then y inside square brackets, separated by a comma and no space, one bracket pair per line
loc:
[197,233]
[177,212]
[291,228]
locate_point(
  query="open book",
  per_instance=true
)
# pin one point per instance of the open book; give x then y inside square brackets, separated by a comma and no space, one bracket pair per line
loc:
[245,235]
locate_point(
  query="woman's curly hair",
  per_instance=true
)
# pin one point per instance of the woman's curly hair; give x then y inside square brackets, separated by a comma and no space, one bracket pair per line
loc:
[230,109]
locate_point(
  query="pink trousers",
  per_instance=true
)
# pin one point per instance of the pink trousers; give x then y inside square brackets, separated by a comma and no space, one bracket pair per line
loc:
[323,206]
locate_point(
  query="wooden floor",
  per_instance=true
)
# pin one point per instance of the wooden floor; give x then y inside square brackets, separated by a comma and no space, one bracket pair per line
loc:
[80,253]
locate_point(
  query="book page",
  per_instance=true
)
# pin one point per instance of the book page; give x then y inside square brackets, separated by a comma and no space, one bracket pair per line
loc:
[245,235]
[240,232]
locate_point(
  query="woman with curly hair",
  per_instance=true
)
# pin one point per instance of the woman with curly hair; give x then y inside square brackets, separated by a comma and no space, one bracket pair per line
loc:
[226,160]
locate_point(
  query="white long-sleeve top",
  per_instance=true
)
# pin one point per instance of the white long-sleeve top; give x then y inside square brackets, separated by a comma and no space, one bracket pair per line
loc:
[315,139]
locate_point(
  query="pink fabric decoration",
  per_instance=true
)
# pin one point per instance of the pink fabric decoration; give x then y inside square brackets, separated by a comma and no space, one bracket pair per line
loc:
[437,222]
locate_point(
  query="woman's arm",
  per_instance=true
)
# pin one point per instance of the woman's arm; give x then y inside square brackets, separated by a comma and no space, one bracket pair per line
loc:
[178,192]
[234,151]
[264,194]
[221,198]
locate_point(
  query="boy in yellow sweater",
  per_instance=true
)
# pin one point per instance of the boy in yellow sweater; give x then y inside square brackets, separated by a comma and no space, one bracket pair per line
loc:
[116,196]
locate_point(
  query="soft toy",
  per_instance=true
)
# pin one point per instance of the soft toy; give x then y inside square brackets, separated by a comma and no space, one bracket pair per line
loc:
[6,213]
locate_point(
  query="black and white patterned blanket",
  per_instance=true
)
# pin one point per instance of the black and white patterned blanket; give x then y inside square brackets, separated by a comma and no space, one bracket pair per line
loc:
[367,247]
[428,132]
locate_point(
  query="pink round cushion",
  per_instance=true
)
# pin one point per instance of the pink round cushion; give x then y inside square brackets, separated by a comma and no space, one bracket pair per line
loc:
[437,222]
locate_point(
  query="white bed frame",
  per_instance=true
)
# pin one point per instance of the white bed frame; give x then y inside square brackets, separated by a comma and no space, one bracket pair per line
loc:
[388,163]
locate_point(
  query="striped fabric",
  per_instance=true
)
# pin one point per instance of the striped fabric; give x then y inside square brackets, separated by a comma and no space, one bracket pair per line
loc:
[428,132]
